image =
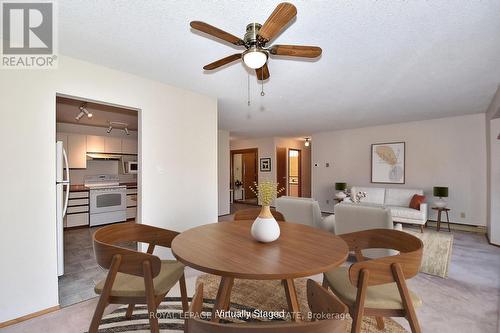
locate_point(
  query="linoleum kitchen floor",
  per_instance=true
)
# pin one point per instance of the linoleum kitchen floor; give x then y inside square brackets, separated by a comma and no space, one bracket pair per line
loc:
[467,301]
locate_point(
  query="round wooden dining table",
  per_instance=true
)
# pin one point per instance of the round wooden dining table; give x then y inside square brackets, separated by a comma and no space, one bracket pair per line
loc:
[227,249]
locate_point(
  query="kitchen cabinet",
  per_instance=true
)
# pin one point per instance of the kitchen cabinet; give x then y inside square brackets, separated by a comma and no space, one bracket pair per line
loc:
[112,145]
[78,210]
[131,202]
[77,151]
[95,144]
[129,146]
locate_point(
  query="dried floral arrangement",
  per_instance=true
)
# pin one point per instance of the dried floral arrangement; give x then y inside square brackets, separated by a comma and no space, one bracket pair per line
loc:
[266,191]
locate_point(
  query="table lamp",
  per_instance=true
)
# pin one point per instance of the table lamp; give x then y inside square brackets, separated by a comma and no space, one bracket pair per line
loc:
[441,192]
[340,187]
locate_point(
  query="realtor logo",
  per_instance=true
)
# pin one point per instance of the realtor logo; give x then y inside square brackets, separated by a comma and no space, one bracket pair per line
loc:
[28,35]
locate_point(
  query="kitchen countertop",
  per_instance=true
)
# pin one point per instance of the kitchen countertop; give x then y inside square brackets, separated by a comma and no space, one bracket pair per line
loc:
[83,188]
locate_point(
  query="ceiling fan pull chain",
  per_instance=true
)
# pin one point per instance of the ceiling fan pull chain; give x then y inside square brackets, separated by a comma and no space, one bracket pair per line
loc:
[262,93]
[248,83]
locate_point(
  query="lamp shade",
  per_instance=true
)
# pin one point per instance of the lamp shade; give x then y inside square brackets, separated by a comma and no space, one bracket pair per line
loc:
[340,186]
[440,191]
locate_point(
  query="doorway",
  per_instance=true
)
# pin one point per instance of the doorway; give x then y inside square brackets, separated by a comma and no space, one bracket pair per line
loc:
[244,175]
[294,173]
[100,142]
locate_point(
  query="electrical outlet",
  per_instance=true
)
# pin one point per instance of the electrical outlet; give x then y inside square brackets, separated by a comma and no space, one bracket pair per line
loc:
[462,215]
[327,202]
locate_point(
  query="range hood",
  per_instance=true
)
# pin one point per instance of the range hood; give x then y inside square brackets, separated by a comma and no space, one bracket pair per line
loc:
[103,156]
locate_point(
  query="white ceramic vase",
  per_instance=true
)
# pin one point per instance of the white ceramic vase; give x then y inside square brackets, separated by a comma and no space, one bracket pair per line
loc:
[265,229]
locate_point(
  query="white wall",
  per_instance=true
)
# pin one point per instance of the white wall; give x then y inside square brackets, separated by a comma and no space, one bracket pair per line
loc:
[494,232]
[223,171]
[493,184]
[178,146]
[449,152]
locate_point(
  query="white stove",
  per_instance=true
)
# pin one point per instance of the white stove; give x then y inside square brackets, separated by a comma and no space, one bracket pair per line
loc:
[108,199]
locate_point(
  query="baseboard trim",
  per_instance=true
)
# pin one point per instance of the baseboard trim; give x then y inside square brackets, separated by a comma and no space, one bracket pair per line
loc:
[29,316]
[489,241]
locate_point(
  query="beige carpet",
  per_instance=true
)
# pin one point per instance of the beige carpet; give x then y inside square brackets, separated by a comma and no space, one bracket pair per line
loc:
[270,296]
[437,251]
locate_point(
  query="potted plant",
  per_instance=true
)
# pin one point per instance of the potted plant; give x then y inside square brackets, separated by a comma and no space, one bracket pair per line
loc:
[265,228]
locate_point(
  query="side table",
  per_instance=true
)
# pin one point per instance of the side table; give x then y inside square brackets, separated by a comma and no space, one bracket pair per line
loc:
[439,211]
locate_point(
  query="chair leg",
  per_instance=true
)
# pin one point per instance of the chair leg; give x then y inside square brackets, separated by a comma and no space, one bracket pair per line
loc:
[99,311]
[106,292]
[150,298]
[411,315]
[421,229]
[129,312]
[380,323]
[184,298]
[358,309]
[325,282]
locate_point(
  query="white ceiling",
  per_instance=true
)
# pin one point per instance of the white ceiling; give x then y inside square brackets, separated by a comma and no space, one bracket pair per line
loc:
[382,62]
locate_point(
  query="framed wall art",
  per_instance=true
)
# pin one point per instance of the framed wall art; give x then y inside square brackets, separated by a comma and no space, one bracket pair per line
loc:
[388,163]
[265,164]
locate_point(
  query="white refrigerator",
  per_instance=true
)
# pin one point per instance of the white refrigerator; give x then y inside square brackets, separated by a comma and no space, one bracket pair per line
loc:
[62,196]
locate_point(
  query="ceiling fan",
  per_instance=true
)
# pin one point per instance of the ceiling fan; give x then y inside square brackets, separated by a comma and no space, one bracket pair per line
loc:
[256,37]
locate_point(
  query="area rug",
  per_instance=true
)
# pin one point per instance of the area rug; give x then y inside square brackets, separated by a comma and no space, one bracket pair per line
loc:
[247,295]
[437,251]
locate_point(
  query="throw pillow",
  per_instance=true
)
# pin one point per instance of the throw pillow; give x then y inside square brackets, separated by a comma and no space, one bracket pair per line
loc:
[416,201]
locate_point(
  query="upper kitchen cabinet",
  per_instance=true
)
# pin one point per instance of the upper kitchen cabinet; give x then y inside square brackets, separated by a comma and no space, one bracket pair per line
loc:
[112,145]
[129,146]
[77,151]
[95,144]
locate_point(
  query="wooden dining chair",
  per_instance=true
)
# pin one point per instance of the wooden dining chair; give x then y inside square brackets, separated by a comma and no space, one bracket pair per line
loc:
[377,287]
[253,213]
[135,277]
[322,303]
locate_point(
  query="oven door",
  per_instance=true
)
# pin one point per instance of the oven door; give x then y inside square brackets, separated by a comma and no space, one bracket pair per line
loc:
[107,200]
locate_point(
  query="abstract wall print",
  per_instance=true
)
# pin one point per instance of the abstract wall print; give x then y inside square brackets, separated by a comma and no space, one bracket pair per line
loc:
[388,163]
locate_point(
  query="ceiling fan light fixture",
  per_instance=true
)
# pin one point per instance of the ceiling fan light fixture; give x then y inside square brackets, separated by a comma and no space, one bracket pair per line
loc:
[255,57]
[307,142]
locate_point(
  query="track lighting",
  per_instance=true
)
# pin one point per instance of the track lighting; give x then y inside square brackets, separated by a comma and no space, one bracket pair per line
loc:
[83,112]
[119,125]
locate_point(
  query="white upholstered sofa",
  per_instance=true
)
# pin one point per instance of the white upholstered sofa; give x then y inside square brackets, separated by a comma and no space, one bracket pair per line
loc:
[302,210]
[397,200]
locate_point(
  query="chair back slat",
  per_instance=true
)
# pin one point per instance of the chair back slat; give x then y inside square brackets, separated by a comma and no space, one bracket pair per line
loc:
[106,241]
[253,213]
[409,258]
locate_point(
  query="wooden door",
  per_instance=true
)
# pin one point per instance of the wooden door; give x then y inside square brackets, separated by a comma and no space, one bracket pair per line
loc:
[281,170]
[249,173]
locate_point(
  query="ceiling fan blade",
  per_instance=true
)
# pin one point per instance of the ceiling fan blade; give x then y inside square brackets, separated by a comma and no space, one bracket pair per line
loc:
[262,73]
[283,14]
[296,51]
[216,32]
[222,62]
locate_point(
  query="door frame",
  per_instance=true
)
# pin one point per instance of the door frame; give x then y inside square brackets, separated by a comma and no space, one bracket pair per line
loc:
[242,151]
[299,169]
